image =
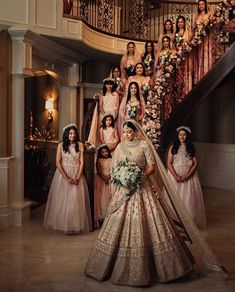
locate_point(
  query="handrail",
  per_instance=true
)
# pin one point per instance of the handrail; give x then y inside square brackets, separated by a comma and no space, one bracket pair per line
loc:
[199,92]
[136,20]
[86,119]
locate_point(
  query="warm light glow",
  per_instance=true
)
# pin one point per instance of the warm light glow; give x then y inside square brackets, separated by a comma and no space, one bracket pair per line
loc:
[49,105]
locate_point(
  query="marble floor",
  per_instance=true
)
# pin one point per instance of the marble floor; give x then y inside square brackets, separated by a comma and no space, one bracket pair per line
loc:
[34,260]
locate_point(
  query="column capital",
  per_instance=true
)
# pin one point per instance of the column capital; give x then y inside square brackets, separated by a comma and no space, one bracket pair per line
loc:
[3,27]
[18,32]
[21,51]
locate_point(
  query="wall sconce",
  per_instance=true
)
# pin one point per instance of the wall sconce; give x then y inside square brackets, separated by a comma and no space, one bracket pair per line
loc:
[49,105]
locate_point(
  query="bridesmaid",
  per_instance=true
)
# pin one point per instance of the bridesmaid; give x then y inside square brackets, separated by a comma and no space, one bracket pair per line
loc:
[142,80]
[134,104]
[184,73]
[129,60]
[181,31]
[203,56]
[166,48]
[148,59]
[168,30]
[168,98]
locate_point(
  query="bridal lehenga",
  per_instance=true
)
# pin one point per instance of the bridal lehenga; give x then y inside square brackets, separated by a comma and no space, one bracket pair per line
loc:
[139,243]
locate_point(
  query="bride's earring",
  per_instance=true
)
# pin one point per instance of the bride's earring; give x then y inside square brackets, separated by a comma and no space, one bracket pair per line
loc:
[137,137]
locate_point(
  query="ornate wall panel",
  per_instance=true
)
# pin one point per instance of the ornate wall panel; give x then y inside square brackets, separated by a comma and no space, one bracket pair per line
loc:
[45,13]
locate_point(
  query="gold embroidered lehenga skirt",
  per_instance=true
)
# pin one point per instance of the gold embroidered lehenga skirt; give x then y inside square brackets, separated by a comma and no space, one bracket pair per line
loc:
[137,244]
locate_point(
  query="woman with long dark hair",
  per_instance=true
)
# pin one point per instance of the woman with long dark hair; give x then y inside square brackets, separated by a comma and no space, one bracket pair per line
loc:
[148,58]
[129,60]
[168,30]
[68,206]
[182,166]
[203,54]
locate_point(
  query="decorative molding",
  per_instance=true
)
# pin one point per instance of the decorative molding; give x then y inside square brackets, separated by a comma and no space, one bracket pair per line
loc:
[6,190]
[3,27]
[216,165]
[52,51]
[45,48]
[73,27]
[15,11]
[21,212]
[46,20]
[106,43]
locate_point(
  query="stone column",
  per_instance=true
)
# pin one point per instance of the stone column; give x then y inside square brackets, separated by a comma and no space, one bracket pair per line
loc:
[21,63]
[68,102]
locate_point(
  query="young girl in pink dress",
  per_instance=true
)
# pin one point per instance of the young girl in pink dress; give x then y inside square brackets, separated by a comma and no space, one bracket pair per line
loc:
[182,165]
[68,205]
[119,85]
[109,101]
[102,178]
[108,133]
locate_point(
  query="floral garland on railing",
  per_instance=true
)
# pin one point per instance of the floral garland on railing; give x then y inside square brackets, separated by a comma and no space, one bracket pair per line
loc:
[152,117]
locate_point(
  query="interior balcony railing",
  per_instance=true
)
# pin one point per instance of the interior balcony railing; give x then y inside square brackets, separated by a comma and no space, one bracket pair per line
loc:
[135,19]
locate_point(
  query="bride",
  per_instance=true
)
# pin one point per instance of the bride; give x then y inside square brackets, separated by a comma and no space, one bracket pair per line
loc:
[139,244]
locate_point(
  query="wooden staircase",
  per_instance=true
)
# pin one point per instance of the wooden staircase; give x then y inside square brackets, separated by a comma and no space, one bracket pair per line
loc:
[197,95]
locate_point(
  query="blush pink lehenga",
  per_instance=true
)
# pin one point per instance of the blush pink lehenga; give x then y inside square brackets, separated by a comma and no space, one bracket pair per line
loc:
[137,245]
[68,205]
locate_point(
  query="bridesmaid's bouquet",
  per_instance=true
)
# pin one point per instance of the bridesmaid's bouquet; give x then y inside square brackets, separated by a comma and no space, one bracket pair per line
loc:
[148,62]
[129,70]
[131,111]
[145,89]
[127,174]
[179,41]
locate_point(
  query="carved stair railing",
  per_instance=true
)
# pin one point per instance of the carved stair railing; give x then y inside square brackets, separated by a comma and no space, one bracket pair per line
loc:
[135,20]
[199,92]
[164,99]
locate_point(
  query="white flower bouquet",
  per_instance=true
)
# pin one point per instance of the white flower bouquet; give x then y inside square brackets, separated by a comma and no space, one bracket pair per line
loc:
[129,70]
[145,89]
[179,41]
[148,62]
[127,174]
[132,111]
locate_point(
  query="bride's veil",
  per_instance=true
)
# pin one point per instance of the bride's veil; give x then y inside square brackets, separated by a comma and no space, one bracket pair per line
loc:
[160,180]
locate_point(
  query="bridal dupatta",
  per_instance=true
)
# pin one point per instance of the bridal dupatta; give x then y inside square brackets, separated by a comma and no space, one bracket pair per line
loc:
[161,178]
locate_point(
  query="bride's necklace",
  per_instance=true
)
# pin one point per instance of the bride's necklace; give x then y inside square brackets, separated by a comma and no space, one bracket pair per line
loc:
[132,143]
